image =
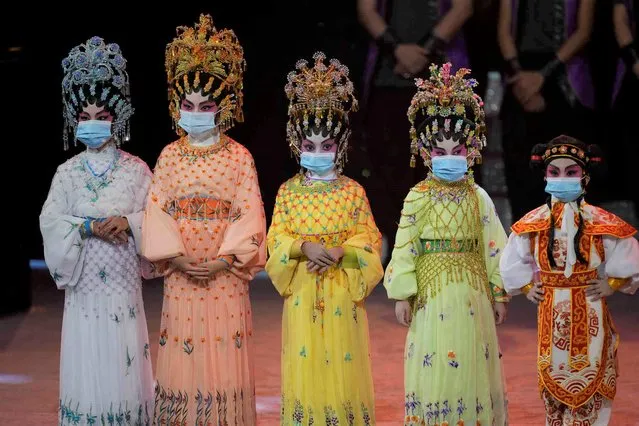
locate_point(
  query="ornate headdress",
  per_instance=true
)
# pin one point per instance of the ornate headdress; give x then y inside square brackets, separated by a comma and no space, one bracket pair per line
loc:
[446,102]
[321,96]
[203,58]
[96,72]
[587,156]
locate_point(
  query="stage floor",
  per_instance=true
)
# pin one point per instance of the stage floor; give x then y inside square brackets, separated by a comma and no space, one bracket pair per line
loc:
[29,357]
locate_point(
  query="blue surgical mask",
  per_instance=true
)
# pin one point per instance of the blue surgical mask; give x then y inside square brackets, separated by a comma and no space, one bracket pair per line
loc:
[196,123]
[564,189]
[93,133]
[450,168]
[319,163]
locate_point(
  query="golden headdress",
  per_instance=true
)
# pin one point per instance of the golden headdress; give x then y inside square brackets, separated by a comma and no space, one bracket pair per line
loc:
[201,57]
[446,102]
[320,98]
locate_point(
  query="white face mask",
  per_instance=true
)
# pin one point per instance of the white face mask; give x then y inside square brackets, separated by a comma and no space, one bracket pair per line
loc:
[196,123]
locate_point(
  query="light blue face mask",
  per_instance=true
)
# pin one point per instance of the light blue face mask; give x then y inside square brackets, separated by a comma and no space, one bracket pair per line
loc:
[93,133]
[564,189]
[319,163]
[449,168]
[196,123]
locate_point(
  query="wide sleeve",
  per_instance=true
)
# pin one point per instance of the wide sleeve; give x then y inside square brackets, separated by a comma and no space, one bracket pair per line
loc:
[400,279]
[283,248]
[141,183]
[161,238]
[494,242]
[61,234]
[517,265]
[362,252]
[245,237]
[622,263]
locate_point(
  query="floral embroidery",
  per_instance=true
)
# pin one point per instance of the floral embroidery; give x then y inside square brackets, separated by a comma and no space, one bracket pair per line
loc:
[486,352]
[129,361]
[494,251]
[354,312]
[131,312]
[303,352]
[350,416]
[188,346]
[103,275]
[330,416]
[460,406]
[366,416]
[116,318]
[298,413]
[163,337]
[338,312]
[412,405]
[452,359]
[172,408]
[238,339]
[435,413]
[478,407]
[297,301]
[72,227]
[203,408]
[428,360]
[284,259]
[56,276]
[123,415]
[235,215]
[485,220]
[411,350]
[146,351]
[256,240]
[348,357]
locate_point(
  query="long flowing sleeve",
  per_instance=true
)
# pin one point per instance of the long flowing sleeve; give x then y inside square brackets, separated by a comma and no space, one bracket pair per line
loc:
[622,262]
[63,243]
[516,264]
[362,252]
[400,279]
[494,240]
[141,186]
[161,238]
[283,247]
[135,218]
[244,239]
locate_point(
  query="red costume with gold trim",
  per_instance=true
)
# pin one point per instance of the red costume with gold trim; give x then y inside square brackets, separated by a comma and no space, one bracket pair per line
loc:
[581,332]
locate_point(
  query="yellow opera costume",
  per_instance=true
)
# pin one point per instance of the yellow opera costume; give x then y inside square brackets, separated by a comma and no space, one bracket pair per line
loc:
[326,372]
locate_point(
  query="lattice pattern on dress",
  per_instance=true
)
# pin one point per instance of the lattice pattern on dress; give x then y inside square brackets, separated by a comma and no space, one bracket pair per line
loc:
[452,211]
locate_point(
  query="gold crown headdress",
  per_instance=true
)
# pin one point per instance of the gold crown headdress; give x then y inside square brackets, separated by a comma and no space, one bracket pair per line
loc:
[319,96]
[449,98]
[201,56]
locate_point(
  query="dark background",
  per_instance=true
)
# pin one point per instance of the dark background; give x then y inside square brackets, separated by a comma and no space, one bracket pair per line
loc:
[274,35]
